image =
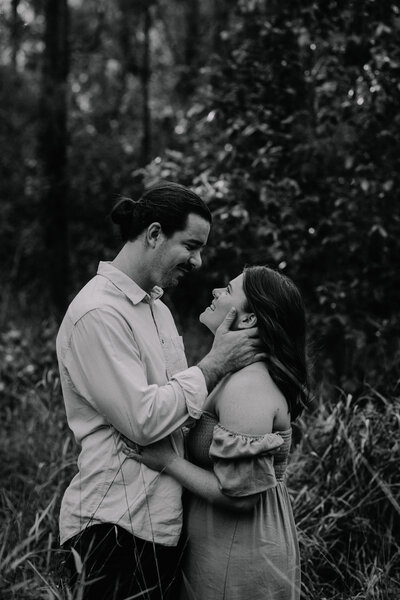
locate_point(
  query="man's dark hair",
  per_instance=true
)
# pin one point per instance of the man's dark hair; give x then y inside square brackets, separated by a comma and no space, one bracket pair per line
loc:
[165,202]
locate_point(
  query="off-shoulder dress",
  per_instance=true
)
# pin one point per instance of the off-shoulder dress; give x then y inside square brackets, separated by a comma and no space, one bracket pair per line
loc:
[240,555]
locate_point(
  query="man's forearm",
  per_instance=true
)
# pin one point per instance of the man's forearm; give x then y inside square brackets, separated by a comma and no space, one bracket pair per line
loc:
[212,370]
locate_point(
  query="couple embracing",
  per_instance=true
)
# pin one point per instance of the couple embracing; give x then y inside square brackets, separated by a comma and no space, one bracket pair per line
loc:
[149,427]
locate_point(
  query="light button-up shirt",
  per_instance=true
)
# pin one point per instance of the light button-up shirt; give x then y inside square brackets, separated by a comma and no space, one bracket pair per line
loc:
[123,369]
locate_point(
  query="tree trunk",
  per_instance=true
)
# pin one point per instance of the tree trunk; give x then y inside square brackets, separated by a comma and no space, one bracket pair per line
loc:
[145,77]
[53,141]
[192,44]
[15,32]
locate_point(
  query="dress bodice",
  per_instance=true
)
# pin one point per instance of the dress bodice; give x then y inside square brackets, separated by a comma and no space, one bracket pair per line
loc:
[200,438]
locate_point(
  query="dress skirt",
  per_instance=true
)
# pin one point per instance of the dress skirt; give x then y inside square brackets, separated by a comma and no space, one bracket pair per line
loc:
[251,555]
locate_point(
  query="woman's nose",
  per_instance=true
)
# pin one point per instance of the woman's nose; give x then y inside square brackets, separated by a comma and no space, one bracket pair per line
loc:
[216,292]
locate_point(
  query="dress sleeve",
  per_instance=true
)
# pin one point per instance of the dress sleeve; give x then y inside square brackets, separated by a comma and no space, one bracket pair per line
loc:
[243,464]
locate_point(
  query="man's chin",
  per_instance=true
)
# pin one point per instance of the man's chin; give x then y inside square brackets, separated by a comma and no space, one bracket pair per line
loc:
[176,277]
[171,281]
[170,284]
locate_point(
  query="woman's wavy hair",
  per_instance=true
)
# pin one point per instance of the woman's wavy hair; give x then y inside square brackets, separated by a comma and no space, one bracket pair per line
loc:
[281,320]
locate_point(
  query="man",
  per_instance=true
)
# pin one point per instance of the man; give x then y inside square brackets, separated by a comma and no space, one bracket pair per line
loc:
[123,371]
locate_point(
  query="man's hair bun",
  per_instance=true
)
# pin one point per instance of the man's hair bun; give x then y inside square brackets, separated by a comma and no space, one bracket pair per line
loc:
[123,211]
[165,202]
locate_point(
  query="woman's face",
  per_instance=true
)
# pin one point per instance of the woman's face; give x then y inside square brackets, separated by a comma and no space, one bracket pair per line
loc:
[224,299]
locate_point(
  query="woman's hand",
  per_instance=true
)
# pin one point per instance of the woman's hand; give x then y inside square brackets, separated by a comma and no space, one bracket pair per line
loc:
[156,456]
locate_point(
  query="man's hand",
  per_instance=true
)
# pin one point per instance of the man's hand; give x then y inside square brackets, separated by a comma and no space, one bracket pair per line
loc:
[156,456]
[231,351]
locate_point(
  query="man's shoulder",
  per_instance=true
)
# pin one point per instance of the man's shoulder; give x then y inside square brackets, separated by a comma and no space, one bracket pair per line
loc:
[95,295]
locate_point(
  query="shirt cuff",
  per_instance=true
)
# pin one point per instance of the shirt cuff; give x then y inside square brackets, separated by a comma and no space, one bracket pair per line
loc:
[194,388]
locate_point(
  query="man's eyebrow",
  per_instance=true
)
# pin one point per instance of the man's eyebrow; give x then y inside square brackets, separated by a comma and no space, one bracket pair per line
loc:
[196,242]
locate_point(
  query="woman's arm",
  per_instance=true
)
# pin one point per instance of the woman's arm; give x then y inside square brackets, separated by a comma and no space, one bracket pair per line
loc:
[162,457]
[203,483]
[245,404]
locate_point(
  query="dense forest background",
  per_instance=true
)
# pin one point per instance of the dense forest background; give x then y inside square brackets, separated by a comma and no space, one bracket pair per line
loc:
[284,116]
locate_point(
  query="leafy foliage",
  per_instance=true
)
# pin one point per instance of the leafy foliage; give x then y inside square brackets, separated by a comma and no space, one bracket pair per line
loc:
[293,145]
[291,136]
[106,106]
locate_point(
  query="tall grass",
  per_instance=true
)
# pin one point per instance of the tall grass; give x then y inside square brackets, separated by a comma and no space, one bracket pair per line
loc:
[344,482]
[345,486]
[37,458]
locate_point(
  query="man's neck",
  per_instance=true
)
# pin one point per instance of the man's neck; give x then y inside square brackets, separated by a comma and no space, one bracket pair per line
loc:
[132,262]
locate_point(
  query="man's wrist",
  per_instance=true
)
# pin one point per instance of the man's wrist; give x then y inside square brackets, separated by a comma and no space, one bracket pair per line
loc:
[212,370]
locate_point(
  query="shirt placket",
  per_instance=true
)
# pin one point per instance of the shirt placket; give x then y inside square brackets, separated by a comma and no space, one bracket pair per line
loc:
[178,450]
[162,341]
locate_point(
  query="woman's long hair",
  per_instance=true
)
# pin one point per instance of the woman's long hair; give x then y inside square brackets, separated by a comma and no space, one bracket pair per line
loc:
[281,321]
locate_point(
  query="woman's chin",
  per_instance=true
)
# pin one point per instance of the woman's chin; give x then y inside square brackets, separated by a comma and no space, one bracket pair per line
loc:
[203,318]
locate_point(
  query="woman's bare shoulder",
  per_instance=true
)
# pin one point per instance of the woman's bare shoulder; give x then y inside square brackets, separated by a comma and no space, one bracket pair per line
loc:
[254,377]
[249,400]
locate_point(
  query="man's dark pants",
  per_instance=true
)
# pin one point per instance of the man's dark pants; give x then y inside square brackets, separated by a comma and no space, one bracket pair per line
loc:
[116,565]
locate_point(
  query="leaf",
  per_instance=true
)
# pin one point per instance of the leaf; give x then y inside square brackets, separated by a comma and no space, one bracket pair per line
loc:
[77,560]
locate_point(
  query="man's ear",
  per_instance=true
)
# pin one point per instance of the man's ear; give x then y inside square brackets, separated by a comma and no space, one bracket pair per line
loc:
[153,234]
[246,321]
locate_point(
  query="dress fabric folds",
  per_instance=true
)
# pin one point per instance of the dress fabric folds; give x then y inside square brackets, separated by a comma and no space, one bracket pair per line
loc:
[240,555]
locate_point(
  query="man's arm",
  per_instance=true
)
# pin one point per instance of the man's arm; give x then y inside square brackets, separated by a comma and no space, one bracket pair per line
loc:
[105,366]
[242,405]
[201,482]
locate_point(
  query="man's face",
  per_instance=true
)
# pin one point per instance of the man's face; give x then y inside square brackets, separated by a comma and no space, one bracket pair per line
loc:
[181,252]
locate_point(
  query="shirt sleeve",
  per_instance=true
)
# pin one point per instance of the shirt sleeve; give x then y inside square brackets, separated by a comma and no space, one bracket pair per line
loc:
[105,367]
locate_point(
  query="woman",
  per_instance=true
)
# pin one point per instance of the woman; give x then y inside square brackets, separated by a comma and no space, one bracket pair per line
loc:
[241,537]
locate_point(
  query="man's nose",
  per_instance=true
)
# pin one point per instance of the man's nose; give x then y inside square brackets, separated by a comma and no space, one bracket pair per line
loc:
[195,260]
[216,292]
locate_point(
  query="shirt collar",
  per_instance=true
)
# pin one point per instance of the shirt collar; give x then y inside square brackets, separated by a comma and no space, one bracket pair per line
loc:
[126,285]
